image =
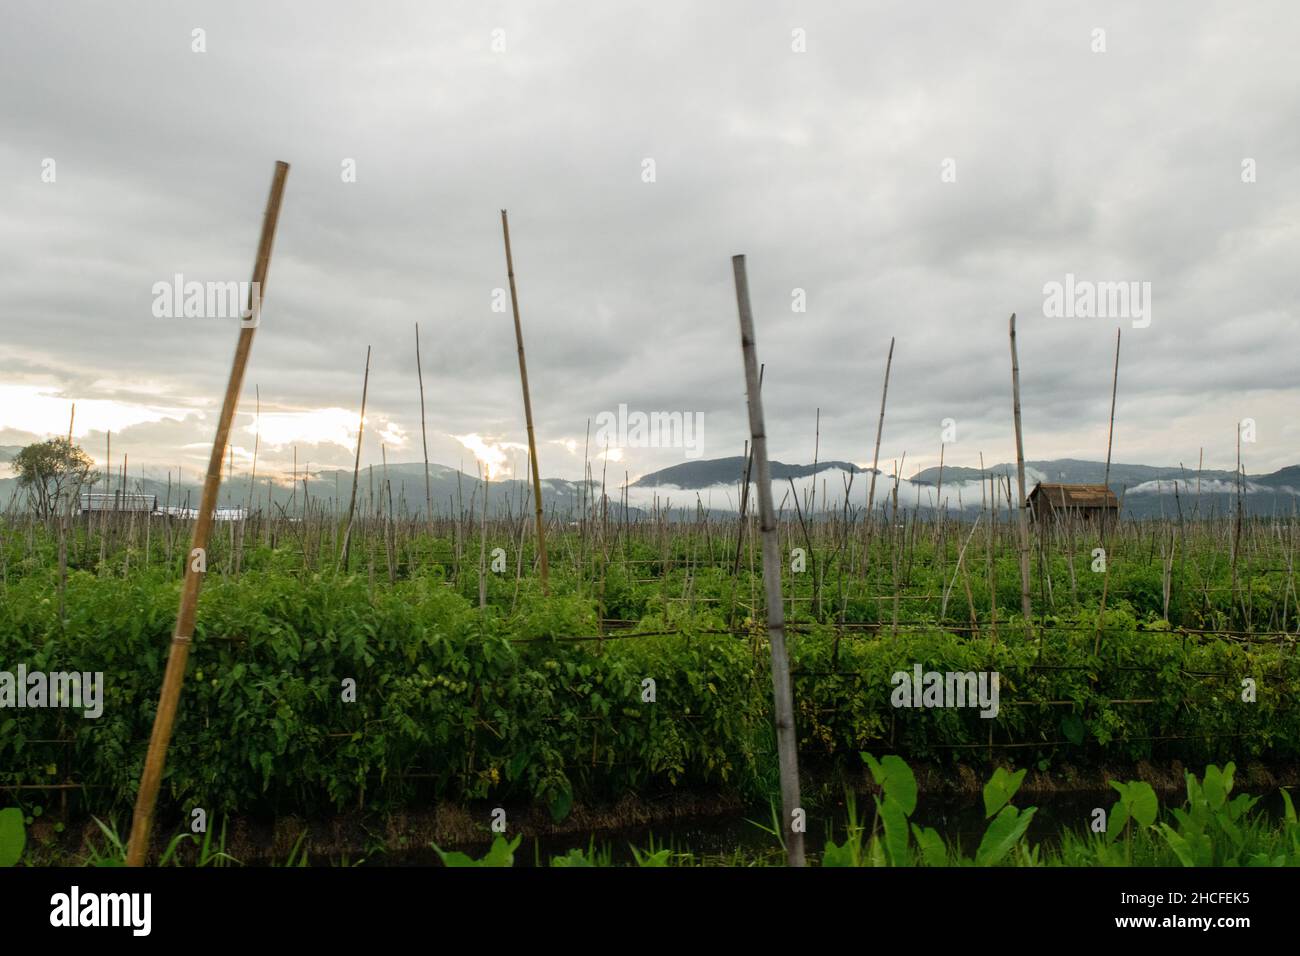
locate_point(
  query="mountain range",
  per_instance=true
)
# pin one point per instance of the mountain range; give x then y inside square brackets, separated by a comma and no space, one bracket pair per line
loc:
[1146,490]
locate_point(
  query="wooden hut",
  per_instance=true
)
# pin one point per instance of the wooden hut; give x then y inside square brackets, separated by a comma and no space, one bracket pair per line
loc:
[1056,502]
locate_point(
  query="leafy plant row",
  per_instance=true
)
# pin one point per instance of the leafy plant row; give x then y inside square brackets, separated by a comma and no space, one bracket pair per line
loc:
[456,703]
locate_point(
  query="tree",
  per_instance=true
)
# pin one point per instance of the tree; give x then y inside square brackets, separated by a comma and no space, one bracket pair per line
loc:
[48,469]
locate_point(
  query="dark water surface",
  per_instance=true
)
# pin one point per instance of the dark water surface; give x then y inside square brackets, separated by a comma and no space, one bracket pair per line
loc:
[738,838]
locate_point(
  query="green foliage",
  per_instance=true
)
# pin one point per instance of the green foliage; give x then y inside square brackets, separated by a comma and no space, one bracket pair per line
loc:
[1006,830]
[893,846]
[898,785]
[50,469]
[1210,829]
[1002,786]
[591,856]
[455,704]
[502,853]
[13,836]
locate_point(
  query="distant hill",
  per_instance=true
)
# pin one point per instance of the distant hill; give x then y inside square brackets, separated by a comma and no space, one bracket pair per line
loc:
[731,472]
[1146,490]
[450,491]
[1075,472]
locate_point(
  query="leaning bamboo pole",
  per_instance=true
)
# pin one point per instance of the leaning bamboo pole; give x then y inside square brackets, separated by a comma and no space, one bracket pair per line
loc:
[528,408]
[786,741]
[356,468]
[875,458]
[174,676]
[424,436]
[1020,480]
[1105,538]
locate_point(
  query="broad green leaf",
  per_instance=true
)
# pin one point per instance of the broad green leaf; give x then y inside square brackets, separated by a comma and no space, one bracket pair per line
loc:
[1215,787]
[1178,845]
[1142,802]
[1240,805]
[1072,728]
[895,823]
[13,836]
[838,855]
[561,803]
[455,858]
[1002,786]
[900,783]
[1117,820]
[501,854]
[1003,833]
[933,850]
[895,778]
[877,771]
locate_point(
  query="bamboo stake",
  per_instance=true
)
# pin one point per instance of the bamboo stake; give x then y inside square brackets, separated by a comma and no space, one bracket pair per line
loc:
[1020,480]
[356,468]
[424,435]
[174,677]
[786,741]
[1110,435]
[528,408]
[744,491]
[875,458]
[482,546]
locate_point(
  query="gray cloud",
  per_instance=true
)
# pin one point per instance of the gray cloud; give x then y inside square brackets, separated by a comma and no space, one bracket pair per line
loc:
[824,167]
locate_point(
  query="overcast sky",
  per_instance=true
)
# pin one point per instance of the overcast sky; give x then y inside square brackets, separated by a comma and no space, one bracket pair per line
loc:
[919,170]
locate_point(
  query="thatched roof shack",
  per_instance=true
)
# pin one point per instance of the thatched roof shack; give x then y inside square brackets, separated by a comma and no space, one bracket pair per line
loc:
[1049,502]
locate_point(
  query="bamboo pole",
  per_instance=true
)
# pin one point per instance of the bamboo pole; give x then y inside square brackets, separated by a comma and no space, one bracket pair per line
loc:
[528,408]
[786,741]
[482,546]
[1110,435]
[356,468]
[875,458]
[744,491]
[174,677]
[424,436]
[1020,480]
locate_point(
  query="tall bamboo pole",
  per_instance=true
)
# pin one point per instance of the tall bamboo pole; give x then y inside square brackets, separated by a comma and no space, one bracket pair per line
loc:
[1110,435]
[1020,480]
[528,407]
[174,676]
[880,427]
[786,741]
[744,492]
[424,436]
[356,467]
[482,546]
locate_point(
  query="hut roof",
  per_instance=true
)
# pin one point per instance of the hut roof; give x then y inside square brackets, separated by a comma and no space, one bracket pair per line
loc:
[1076,496]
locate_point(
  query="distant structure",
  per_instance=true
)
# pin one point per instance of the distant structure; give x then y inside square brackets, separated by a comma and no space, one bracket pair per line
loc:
[1059,502]
[118,501]
[219,514]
